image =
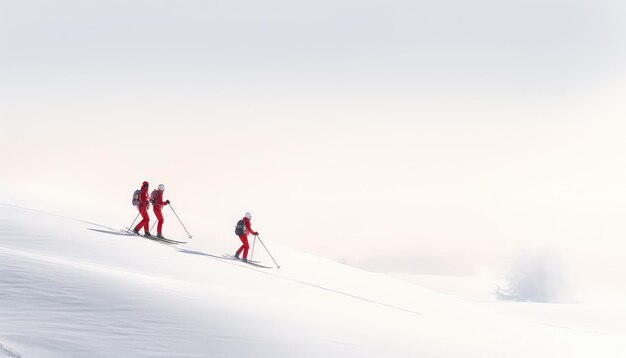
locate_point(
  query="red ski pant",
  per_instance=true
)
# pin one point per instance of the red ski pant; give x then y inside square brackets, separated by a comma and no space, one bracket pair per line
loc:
[244,247]
[159,216]
[145,221]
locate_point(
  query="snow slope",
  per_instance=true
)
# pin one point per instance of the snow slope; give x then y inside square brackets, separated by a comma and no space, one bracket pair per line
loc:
[70,289]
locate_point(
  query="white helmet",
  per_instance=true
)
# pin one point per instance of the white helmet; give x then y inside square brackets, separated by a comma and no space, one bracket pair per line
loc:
[161,187]
[248,215]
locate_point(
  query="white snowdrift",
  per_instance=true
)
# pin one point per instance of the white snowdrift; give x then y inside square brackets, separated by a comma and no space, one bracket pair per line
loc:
[69,289]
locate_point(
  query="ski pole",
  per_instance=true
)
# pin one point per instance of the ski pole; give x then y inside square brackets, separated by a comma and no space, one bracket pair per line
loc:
[268,251]
[131,225]
[253,242]
[180,221]
[153,226]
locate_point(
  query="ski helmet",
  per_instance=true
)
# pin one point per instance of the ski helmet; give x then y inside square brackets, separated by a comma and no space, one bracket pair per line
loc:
[161,187]
[248,215]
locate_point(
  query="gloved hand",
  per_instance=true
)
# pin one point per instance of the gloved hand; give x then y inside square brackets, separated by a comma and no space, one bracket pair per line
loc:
[167,201]
[256,233]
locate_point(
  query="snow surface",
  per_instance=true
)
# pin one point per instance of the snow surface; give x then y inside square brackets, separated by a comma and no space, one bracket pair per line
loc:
[74,289]
[598,314]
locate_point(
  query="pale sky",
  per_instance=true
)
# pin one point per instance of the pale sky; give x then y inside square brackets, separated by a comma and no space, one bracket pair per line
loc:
[451,133]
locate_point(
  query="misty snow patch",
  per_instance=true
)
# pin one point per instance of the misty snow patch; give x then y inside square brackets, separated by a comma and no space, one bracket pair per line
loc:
[534,277]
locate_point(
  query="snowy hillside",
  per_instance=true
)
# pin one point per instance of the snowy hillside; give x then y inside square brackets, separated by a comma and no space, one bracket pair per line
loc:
[72,289]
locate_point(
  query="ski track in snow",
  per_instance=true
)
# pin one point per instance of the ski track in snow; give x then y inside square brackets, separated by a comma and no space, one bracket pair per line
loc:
[92,267]
[231,262]
[221,259]
[9,352]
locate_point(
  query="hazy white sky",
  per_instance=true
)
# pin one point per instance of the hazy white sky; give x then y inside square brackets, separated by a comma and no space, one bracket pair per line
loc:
[450,131]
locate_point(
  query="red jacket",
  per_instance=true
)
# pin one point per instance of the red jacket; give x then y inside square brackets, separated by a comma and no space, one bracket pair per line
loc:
[248,227]
[143,198]
[157,199]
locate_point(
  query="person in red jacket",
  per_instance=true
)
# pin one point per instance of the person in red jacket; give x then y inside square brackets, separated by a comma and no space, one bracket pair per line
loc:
[144,204]
[244,238]
[157,205]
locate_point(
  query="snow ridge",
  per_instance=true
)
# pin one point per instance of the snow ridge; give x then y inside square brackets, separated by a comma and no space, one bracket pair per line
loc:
[9,352]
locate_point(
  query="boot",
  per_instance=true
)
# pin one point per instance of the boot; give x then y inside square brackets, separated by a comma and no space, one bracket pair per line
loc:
[147,234]
[160,236]
[237,256]
[244,259]
[136,232]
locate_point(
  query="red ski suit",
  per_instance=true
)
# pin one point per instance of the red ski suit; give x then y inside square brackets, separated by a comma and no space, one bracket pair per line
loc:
[244,239]
[157,205]
[144,203]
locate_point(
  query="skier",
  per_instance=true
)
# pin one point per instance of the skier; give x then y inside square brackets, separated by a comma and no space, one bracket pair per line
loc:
[156,198]
[244,237]
[144,204]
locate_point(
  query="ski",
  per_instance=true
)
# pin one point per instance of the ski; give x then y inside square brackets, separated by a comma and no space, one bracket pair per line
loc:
[234,258]
[169,240]
[257,265]
[249,262]
[155,238]
[164,240]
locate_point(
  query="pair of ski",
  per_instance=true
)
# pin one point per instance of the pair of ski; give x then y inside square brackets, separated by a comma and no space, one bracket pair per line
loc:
[249,262]
[155,238]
